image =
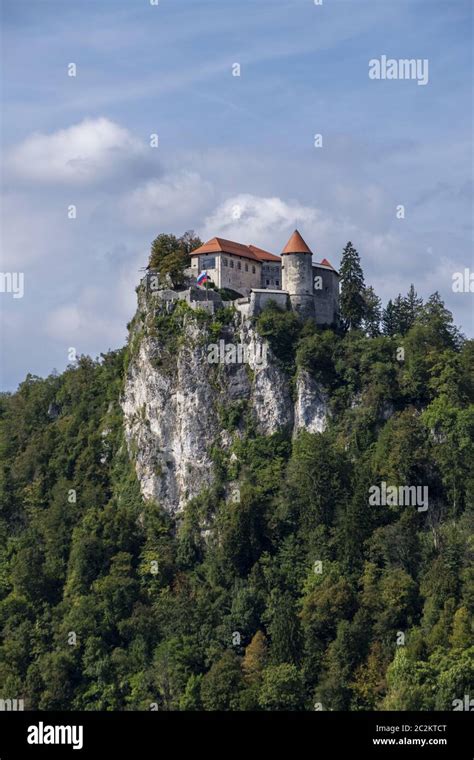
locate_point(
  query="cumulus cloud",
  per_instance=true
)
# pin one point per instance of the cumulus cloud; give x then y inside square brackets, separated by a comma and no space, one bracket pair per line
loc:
[256,216]
[175,200]
[269,221]
[80,154]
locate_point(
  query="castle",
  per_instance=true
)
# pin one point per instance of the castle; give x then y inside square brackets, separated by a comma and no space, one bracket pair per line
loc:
[291,280]
[255,277]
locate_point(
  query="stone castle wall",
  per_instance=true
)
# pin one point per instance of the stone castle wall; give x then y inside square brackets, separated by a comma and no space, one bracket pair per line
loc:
[300,294]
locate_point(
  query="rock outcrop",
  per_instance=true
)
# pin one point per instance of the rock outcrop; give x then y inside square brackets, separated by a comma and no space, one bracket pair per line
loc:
[175,400]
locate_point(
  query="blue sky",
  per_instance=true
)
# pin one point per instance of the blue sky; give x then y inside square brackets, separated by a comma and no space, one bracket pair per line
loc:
[224,141]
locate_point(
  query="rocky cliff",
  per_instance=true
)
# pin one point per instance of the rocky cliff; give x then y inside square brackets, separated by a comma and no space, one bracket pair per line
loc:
[180,401]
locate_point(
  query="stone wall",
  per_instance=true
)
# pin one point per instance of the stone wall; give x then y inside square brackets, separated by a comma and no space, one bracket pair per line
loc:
[260,298]
[326,299]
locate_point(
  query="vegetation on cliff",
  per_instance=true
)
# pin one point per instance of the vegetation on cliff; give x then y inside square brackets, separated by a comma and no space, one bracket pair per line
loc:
[280,588]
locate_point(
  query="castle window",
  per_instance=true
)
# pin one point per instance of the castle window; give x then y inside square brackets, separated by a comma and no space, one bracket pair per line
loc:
[253,269]
[268,282]
[225,262]
[277,283]
[239,265]
[231,264]
[246,267]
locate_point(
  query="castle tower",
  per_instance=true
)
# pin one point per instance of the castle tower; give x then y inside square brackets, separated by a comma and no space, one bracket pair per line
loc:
[297,275]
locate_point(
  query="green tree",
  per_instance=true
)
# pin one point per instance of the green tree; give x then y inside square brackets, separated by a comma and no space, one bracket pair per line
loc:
[222,684]
[170,255]
[400,315]
[340,661]
[352,300]
[282,688]
[413,306]
[389,324]
[439,321]
[372,312]
[462,633]
[255,659]
[191,698]
[283,627]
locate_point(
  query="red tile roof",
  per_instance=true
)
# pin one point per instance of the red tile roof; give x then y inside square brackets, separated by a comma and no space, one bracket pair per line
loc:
[326,263]
[296,244]
[220,245]
[264,255]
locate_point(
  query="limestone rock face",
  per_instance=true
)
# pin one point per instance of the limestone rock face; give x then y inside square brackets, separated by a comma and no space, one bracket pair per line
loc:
[169,423]
[311,405]
[175,404]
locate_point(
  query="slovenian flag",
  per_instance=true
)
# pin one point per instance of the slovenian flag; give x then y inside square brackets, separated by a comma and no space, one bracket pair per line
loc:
[203,277]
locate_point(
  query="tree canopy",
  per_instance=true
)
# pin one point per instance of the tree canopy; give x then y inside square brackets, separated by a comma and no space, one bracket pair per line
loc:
[300,596]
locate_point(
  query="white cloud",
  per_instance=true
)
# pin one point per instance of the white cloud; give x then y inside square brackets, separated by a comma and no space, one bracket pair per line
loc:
[255,219]
[26,232]
[89,323]
[269,222]
[175,200]
[80,154]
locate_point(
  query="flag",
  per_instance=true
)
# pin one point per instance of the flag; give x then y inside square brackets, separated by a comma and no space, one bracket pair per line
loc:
[203,277]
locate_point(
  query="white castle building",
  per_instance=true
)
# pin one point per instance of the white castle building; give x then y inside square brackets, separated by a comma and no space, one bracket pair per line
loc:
[293,280]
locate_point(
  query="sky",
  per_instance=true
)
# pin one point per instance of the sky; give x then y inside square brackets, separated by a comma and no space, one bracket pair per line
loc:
[225,142]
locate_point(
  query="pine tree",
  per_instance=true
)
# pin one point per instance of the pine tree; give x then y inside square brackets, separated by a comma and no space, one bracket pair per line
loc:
[255,659]
[352,300]
[439,320]
[388,319]
[413,306]
[372,315]
[400,316]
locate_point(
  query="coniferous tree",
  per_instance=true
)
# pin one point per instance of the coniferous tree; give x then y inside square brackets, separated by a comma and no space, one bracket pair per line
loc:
[400,316]
[413,306]
[439,319]
[318,582]
[352,301]
[372,317]
[388,319]
[255,659]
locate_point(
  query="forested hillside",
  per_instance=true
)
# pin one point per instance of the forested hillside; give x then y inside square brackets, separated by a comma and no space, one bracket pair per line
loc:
[300,595]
